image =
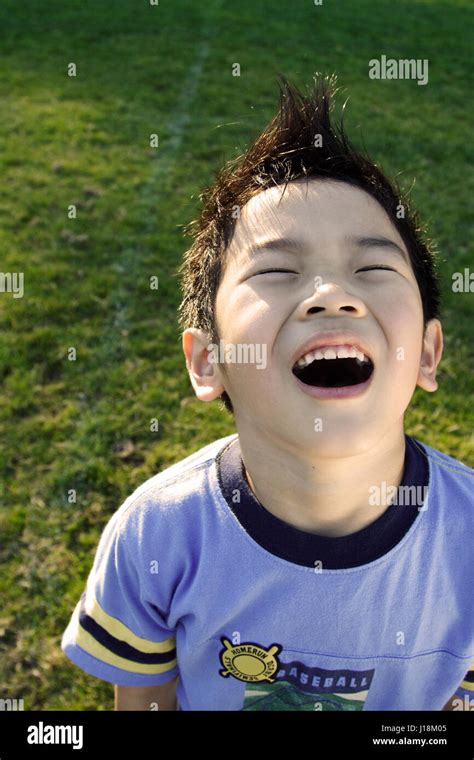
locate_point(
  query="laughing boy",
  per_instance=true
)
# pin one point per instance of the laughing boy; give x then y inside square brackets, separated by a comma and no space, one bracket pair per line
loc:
[319,558]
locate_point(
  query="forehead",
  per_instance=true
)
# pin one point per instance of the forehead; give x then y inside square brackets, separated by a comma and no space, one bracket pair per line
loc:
[312,211]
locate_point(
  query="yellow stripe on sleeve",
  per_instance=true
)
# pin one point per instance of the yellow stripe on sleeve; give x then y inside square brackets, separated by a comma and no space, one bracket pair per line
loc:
[90,645]
[120,631]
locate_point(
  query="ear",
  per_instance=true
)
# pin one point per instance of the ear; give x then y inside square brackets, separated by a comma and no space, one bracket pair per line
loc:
[202,368]
[431,355]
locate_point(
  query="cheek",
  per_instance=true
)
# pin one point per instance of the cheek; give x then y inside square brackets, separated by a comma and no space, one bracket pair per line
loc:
[250,321]
[400,309]
[404,332]
[244,318]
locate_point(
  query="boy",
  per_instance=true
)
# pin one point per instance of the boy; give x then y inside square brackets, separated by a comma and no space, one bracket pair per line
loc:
[319,558]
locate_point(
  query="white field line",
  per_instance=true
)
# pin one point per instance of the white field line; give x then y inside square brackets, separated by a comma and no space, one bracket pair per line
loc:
[128,265]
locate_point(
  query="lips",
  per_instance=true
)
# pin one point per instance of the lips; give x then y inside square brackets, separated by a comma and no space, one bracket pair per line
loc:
[335,373]
[328,339]
[333,361]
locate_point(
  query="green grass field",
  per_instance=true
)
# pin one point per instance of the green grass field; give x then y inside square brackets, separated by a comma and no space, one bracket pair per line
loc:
[84,140]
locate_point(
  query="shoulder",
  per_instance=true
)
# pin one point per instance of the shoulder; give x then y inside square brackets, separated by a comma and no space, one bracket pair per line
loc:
[169,493]
[450,479]
[448,467]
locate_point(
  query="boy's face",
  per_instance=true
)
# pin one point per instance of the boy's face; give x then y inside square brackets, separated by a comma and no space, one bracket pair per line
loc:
[325,290]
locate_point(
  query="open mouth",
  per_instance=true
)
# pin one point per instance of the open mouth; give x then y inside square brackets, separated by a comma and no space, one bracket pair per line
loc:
[334,373]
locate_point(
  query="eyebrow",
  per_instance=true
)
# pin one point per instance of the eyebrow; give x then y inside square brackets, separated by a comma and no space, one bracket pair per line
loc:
[290,244]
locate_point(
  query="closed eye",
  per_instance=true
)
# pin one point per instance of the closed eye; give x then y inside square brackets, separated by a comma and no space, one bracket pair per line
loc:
[265,271]
[290,271]
[368,269]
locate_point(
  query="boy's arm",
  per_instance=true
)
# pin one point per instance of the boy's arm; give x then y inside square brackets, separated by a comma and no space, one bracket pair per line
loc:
[161,697]
[119,629]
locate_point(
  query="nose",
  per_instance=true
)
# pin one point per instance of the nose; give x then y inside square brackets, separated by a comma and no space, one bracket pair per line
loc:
[333,299]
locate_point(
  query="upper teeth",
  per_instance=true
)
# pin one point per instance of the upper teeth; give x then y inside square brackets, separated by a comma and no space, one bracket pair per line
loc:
[334,352]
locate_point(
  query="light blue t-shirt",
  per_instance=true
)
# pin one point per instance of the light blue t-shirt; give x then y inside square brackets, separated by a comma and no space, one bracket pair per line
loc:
[194,577]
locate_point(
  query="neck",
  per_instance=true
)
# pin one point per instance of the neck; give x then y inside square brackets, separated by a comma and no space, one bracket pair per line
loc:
[328,496]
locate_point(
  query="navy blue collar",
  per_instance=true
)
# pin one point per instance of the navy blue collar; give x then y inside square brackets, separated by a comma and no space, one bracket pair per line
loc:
[304,548]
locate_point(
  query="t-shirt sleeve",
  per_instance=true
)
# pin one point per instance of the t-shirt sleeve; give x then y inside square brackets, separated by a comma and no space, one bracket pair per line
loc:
[118,631]
[466,687]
